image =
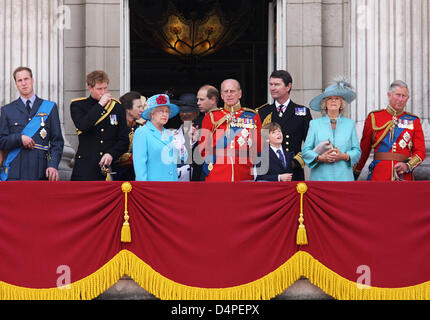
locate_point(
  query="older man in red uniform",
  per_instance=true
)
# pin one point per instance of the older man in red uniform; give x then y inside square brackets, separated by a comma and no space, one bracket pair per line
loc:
[230,138]
[396,137]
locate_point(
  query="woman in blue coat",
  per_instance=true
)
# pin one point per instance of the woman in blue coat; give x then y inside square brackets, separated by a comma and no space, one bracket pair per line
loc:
[332,148]
[154,154]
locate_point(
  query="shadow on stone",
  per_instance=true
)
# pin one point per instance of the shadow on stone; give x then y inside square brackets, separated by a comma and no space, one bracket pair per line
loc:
[127,289]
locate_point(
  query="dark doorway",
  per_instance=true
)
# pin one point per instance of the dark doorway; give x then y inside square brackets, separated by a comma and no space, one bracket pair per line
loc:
[155,71]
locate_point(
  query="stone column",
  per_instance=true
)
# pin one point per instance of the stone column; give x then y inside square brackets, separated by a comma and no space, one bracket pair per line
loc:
[390,41]
[316,51]
[32,35]
[92,42]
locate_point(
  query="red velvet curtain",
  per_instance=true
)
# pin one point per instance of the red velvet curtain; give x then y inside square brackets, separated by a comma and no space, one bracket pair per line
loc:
[214,235]
[384,226]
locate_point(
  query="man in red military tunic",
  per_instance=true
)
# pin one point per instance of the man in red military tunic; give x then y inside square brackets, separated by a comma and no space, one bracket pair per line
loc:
[230,138]
[396,137]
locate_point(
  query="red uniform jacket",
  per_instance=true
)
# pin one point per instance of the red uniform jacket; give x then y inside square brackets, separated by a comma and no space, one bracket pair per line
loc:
[229,143]
[394,136]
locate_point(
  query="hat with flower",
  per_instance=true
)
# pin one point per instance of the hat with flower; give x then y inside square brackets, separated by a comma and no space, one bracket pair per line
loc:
[159,100]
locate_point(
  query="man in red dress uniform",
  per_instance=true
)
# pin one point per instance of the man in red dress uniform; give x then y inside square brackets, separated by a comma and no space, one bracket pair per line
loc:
[230,138]
[396,137]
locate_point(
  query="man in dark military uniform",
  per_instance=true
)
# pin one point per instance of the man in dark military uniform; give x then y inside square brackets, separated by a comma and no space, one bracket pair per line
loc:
[101,124]
[293,119]
[30,134]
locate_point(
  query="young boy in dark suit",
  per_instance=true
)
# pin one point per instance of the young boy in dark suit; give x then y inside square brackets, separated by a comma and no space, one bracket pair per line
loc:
[276,164]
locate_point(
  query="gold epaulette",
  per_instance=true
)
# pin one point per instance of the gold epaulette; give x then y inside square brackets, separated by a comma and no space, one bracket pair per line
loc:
[261,106]
[377,111]
[116,100]
[217,109]
[79,99]
[411,114]
[298,157]
[250,110]
[267,120]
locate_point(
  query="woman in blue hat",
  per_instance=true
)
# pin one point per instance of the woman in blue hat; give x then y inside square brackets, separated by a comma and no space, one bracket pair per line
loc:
[331,148]
[154,155]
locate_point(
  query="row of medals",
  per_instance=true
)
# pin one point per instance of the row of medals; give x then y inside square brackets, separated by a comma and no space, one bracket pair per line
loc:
[246,125]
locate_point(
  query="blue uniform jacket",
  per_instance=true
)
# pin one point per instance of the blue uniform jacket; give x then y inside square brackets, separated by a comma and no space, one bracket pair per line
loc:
[30,164]
[344,138]
[154,156]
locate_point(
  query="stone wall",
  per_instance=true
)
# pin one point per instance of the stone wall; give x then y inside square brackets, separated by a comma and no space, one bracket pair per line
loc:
[91,43]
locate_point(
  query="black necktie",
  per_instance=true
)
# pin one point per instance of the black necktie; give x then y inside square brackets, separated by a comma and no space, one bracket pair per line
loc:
[280,110]
[27,107]
[282,158]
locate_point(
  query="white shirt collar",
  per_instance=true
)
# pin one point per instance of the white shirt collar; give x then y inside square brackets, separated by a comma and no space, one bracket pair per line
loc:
[276,149]
[277,104]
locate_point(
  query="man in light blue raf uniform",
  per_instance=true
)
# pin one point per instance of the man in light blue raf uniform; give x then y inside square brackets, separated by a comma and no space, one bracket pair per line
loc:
[30,134]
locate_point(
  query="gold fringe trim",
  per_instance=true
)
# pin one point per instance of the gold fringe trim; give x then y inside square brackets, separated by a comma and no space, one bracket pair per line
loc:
[87,288]
[342,289]
[267,287]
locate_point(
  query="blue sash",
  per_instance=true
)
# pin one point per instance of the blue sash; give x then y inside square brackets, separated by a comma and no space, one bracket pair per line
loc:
[386,145]
[29,130]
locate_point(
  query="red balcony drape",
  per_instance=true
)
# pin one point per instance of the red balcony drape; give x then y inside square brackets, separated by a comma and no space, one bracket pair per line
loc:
[214,240]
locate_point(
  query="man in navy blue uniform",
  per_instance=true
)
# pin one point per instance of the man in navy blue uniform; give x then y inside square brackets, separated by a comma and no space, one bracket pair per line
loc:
[293,118]
[30,134]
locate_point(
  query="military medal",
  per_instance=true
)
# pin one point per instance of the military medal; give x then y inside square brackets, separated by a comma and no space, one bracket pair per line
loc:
[241,141]
[43,133]
[406,136]
[402,144]
[113,120]
[245,133]
[300,111]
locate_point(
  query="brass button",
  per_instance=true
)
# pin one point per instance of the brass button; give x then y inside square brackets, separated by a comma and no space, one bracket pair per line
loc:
[101,141]
[287,143]
[287,136]
[102,130]
[101,153]
[287,150]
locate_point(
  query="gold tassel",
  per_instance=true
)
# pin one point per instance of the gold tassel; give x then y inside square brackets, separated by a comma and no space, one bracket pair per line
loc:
[125,231]
[301,238]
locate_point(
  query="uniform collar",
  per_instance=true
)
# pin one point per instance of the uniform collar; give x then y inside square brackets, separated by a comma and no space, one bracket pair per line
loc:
[92,99]
[32,99]
[277,104]
[234,108]
[393,112]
